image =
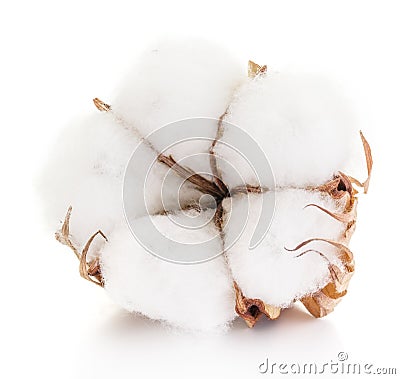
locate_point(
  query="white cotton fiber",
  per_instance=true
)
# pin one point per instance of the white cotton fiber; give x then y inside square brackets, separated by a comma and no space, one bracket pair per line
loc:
[175,81]
[187,236]
[269,272]
[300,121]
[85,171]
[196,297]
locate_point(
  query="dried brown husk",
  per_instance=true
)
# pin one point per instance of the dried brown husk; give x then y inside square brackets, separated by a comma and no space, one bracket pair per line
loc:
[250,310]
[323,302]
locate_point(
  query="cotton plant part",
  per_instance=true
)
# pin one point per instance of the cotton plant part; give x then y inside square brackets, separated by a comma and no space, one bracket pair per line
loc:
[289,114]
[169,233]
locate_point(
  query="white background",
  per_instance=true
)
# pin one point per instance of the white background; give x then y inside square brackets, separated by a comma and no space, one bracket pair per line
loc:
[57,56]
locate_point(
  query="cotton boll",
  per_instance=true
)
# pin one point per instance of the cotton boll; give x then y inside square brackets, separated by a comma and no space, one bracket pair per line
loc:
[269,272]
[300,121]
[179,245]
[175,81]
[196,297]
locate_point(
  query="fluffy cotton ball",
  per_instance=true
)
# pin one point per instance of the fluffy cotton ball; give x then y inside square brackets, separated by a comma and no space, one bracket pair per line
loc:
[269,272]
[300,121]
[168,110]
[196,297]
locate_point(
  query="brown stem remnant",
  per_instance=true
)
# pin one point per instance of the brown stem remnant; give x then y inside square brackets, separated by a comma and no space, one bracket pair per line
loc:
[88,270]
